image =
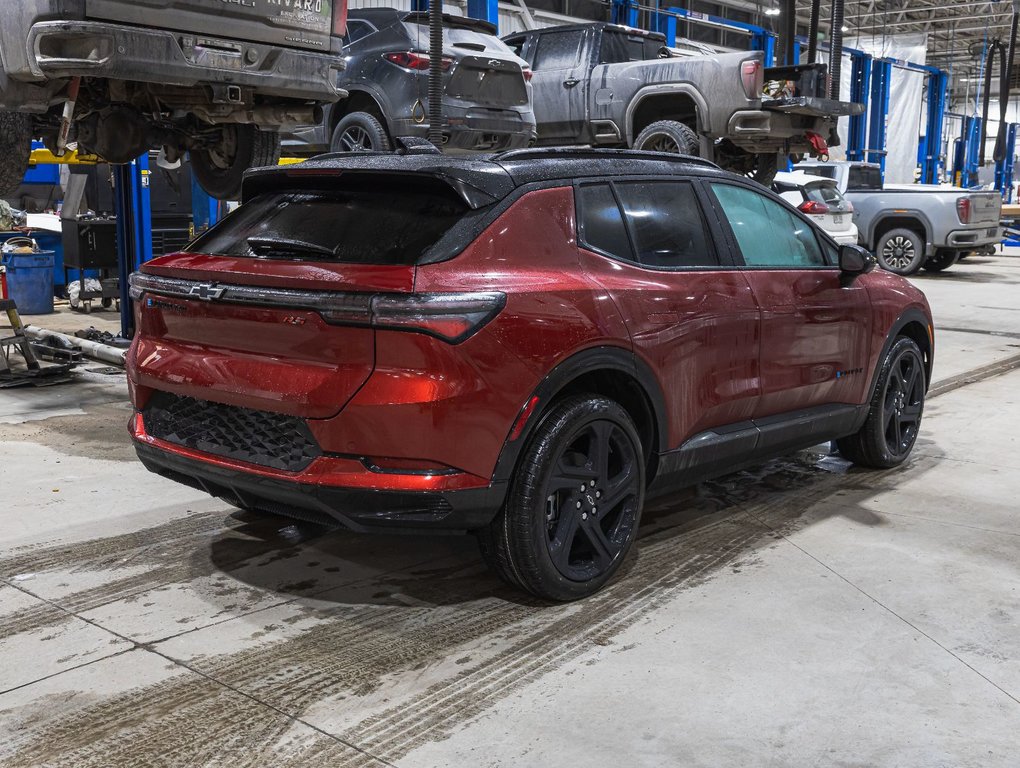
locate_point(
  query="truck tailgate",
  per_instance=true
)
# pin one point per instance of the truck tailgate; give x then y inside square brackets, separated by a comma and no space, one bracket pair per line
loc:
[287,23]
[985,207]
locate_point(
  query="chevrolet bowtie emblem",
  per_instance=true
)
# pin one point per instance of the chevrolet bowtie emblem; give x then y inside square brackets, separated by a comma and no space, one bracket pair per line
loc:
[206,291]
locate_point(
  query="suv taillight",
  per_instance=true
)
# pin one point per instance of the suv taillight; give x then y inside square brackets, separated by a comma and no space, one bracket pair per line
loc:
[813,206]
[752,77]
[452,317]
[340,18]
[418,62]
[963,210]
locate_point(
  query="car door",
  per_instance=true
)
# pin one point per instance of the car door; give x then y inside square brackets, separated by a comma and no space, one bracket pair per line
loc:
[690,314]
[815,323]
[559,83]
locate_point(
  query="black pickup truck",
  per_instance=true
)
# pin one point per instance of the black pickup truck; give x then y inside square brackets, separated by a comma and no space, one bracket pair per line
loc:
[608,85]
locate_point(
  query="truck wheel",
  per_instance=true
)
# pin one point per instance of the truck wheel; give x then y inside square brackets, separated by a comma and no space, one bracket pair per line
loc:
[359,132]
[219,169]
[669,136]
[574,503]
[900,251]
[15,146]
[942,260]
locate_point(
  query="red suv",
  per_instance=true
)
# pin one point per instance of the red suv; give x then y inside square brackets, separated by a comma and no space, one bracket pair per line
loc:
[526,346]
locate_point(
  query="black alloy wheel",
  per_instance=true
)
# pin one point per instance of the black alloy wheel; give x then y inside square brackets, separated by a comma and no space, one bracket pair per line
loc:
[591,501]
[894,415]
[574,503]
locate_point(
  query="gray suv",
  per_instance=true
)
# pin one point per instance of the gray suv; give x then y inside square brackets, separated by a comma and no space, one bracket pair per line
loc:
[216,79]
[487,89]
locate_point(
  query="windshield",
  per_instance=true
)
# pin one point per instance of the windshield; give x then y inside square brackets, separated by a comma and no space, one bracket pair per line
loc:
[389,224]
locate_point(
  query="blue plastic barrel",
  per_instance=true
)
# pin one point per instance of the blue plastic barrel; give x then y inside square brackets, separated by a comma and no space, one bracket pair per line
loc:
[52,241]
[30,281]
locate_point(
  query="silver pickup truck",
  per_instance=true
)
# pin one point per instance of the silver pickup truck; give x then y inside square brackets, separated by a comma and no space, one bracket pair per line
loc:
[608,85]
[910,226]
[216,79]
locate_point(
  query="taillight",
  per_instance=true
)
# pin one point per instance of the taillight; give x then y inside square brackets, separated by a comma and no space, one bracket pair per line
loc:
[527,74]
[752,77]
[452,317]
[848,206]
[813,207]
[418,62]
[340,18]
[963,210]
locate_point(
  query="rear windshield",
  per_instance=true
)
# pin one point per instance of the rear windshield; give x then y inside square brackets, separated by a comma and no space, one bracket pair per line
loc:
[864,178]
[371,224]
[456,36]
[824,193]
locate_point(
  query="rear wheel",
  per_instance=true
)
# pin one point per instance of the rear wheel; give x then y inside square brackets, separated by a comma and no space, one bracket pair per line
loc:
[894,416]
[15,146]
[942,260]
[360,132]
[574,504]
[669,136]
[901,251]
[219,169]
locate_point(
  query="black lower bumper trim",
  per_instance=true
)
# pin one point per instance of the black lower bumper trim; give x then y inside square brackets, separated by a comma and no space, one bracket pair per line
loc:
[354,508]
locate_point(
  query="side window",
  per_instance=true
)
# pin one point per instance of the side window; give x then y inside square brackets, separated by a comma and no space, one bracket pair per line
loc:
[666,223]
[768,234]
[601,222]
[557,50]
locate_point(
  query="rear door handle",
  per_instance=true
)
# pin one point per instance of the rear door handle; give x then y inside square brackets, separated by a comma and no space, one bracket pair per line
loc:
[571,82]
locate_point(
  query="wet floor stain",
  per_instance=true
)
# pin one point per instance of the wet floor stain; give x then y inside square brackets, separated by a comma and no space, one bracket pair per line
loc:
[385,662]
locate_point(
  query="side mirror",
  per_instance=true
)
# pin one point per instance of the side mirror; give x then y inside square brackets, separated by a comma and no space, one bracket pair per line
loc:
[855,260]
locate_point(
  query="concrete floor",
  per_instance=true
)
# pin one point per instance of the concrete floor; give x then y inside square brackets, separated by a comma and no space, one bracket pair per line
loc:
[803,613]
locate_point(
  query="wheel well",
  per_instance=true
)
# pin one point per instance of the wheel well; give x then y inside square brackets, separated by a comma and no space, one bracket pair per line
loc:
[897,222]
[919,334]
[667,106]
[628,392]
[358,101]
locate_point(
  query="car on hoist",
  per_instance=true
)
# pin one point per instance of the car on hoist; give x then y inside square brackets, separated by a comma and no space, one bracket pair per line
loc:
[118,77]
[526,345]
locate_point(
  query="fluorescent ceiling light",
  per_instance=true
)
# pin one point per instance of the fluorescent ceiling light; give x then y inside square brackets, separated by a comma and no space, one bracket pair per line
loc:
[844,28]
[771,11]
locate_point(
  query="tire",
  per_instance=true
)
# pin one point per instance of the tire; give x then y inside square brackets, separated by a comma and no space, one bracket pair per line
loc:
[669,136]
[551,538]
[900,251]
[220,170]
[15,147]
[359,132]
[942,260]
[894,415]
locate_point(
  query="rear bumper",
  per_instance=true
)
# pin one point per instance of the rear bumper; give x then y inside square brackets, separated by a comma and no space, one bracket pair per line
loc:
[59,50]
[467,130]
[316,499]
[762,130]
[968,239]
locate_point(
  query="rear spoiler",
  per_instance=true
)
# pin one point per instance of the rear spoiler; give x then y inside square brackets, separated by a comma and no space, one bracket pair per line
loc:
[460,22]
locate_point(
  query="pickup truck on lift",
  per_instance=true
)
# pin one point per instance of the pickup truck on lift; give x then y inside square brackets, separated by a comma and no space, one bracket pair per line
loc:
[609,85]
[910,226]
[118,77]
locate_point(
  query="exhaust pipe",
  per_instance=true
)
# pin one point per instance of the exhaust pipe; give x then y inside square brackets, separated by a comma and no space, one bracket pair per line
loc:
[104,353]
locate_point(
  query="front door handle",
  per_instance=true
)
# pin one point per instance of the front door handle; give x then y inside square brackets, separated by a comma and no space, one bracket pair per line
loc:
[571,82]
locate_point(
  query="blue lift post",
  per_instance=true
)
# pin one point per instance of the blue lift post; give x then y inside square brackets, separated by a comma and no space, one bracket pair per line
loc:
[761,39]
[1004,168]
[930,149]
[860,90]
[205,209]
[966,153]
[134,229]
[881,73]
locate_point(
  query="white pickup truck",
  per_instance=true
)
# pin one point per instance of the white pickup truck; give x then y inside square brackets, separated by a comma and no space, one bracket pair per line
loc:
[910,226]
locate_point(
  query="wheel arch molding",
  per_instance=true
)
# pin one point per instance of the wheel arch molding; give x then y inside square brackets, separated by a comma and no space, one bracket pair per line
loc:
[914,324]
[614,372]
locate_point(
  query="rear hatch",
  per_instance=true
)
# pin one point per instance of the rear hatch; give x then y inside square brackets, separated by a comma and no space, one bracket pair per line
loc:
[838,217]
[986,208]
[483,69]
[272,309]
[287,23]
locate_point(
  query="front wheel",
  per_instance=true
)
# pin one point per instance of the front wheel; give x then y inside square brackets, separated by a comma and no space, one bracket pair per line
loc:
[574,504]
[894,415]
[900,251]
[359,132]
[220,168]
[15,146]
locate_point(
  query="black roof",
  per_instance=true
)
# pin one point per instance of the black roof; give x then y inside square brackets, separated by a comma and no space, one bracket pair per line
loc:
[481,179]
[601,25]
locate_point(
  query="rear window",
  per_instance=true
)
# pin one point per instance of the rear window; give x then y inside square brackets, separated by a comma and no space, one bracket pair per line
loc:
[618,48]
[865,178]
[824,193]
[456,36]
[392,224]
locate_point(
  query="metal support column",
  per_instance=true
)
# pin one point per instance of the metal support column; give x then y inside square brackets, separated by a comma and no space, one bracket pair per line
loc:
[860,90]
[881,72]
[931,149]
[966,153]
[134,230]
[1004,168]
